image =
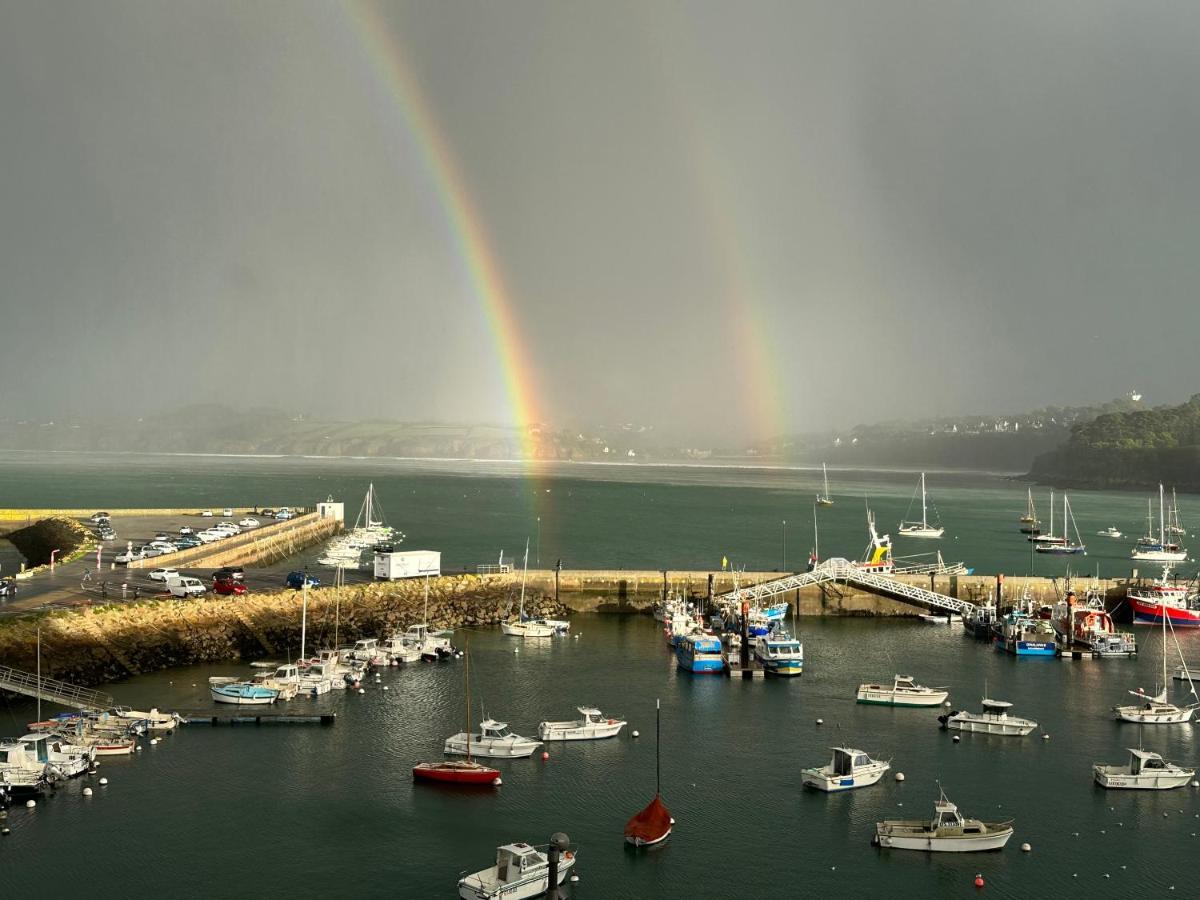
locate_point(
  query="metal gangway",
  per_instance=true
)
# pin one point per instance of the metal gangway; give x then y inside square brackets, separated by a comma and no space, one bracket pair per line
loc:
[843,570]
[53,691]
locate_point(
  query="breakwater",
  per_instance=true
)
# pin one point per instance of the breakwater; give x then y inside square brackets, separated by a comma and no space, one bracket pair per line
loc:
[95,645]
[257,547]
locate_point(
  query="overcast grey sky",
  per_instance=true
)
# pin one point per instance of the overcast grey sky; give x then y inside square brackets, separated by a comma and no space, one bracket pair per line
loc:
[875,209]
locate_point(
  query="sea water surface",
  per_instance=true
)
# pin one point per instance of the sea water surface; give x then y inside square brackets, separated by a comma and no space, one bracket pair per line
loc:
[282,811]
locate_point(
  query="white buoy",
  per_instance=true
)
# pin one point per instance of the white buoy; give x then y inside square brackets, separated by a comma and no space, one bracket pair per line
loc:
[87,792]
[1196,784]
[361,691]
[957,739]
[1025,848]
[137,746]
[30,804]
[946,704]
[385,687]
[153,741]
[496,781]
[820,721]
[103,781]
[636,734]
[1045,737]
[899,776]
[5,830]
[574,879]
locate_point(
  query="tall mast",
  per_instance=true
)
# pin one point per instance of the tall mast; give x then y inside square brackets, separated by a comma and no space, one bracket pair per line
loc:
[426,615]
[304,617]
[924,524]
[1052,514]
[657,747]
[1162,536]
[39,671]
[524,572]
[467,691]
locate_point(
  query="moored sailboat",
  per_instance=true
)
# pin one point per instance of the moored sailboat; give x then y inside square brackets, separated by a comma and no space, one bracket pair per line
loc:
[459,771]
[653,824]
[1063,546]
[825,499]
[921,529]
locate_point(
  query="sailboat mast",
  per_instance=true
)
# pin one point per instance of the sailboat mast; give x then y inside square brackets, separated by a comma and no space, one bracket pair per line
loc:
[524,572]
[1162,536]
[924,524]
[304,618]
[39,671]
[1052,513]
[425,617]
[467,691]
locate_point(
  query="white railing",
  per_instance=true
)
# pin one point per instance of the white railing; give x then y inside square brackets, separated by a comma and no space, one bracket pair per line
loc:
[838,569]
[59,692]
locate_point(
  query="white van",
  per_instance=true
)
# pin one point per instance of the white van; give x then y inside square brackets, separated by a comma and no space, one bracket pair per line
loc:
[185,586]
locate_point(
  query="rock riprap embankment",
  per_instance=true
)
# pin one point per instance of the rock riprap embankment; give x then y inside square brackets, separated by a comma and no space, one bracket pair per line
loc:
[95,645]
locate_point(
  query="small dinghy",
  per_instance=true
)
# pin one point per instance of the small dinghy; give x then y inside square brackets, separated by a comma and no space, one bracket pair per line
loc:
[904,691]
[1146,771]
[993,720]
[947,832]
[593,726]
[243,693]
[848,769]
[520,871]
[653,824]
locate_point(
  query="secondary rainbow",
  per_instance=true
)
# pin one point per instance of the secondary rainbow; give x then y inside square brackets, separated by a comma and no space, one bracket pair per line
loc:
[464,222]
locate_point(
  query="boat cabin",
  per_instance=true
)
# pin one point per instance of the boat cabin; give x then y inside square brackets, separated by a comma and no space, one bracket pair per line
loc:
[493,729]
[366,645]
[904,682]
[592,716]
[996,707]
[1145,761]
[516,862]
[15,755]
[845,760]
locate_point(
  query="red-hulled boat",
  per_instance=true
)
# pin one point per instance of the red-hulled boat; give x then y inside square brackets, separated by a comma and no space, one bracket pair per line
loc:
[653,824]
[1151,602]
[459,771]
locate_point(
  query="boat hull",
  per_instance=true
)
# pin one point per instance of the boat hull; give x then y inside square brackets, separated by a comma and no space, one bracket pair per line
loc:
[1141,716]
[784,667]
[483,886]
[902,836]
[503,749]
[452,774]
[888,697]
[1005,727]
[1026,648]
[822,780]
[573,731]
[1111,779]
[1146,613]
[233,699]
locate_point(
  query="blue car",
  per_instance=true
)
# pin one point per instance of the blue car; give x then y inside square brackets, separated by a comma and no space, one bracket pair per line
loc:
[296,580]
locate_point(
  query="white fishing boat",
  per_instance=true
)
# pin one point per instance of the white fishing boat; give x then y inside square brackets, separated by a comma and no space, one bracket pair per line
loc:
[941,618]
[398,650]
[825,499]
[1146,771]
[284,679]
[903,691]
[994,719]
[593,726]
[1111,532]
[848,769]
[65,759]
[19,765]
[317,678]
[520,871]
[947,832]
[779,653]
[921,529]
[493,740]
[1156,710]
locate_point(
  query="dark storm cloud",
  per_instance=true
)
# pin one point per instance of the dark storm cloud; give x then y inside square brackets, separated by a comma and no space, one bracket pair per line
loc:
[932,207]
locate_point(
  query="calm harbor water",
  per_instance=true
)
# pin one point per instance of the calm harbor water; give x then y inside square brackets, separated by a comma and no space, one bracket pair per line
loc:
[279,811]
[287,810]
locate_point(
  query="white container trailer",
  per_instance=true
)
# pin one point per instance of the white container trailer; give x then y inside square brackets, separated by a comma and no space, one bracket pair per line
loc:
[394,564]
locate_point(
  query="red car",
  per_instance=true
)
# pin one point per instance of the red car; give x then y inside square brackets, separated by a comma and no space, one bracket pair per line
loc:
[228,586]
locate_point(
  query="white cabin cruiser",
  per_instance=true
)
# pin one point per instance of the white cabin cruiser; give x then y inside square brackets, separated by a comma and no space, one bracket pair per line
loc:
[429,647]
[398,651]
[993,720]
[593,726]
[947,832]
[318,678]
[904,691]
[1146,771]
[493,740]
[153,720]
[19,768]
[53,750]
[848,769]
[520,871]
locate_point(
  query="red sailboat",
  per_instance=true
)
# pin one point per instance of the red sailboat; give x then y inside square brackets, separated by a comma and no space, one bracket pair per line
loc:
[653,824]
[459,771]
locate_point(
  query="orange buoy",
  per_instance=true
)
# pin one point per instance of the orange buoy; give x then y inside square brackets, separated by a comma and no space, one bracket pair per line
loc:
[545,756]
[979,880]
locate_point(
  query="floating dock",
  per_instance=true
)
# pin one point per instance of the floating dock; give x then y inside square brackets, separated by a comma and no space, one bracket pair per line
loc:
[264,718]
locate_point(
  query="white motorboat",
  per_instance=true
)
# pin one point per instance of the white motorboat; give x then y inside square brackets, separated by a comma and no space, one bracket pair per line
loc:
[560,626]
[779,653]
[921,529]
[520,871]
[243,693]
[903,691]
[848,769]
[317,678]
[398,650]
[1111,532]
[153,720]
[428,647]
[493,740]
[993,720]
[54,751]
[285,679]
[1156,710]
[593,726]
[947,832]
[1146,771]
[18,766]
[366,651]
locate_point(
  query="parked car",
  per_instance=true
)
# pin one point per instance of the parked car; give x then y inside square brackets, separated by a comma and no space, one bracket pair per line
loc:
[227,526]
[206,513]
[284,514]
[186,529]
[162,536]
[7,588]
[129,556]
[106,534]
[296,580]
[188,541]
[236,572]
[163,546]
[227,512]
[249,522]
[228,586]
[163,574]
[208,535]
[149,551]
[268,512]
[185,586]
[99,517]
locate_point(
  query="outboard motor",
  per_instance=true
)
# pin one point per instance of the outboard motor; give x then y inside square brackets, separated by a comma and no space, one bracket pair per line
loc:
[946,718]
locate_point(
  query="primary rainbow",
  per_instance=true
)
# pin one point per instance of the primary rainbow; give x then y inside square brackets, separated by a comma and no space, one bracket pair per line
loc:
[464,221]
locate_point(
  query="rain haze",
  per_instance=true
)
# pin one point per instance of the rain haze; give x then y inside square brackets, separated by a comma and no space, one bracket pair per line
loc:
[722,219]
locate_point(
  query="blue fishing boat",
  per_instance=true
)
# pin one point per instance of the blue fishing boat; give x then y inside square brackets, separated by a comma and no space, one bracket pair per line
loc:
[699,653]
[780,654]
[1023,635]
[776,612]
